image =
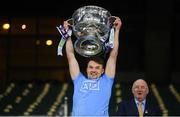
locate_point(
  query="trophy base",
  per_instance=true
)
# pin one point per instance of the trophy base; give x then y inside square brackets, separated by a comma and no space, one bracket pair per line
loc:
[88,46]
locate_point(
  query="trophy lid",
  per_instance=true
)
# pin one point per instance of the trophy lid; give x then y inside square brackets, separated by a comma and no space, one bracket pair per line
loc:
[91,15]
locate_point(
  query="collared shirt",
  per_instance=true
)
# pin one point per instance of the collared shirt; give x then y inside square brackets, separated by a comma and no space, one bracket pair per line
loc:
[143,104]
[91,97]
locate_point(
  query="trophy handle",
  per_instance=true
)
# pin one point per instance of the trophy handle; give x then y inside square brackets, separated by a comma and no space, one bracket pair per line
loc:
[71,22]
[111,20]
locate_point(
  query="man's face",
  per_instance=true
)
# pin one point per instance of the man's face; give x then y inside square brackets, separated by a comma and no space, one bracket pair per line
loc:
[140,90]
[94,70]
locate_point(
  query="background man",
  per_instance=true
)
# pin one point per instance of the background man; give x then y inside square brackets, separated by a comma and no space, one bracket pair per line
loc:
[139,105]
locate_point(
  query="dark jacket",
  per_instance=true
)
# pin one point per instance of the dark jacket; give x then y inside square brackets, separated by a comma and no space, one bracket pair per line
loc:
[129,108]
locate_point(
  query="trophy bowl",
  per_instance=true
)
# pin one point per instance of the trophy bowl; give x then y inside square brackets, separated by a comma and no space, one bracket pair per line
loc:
[91,25]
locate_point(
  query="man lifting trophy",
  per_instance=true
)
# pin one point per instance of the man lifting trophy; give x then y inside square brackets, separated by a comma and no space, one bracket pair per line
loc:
[94,29]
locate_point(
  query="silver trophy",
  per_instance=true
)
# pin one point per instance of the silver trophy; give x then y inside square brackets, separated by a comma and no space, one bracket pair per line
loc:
[92,26]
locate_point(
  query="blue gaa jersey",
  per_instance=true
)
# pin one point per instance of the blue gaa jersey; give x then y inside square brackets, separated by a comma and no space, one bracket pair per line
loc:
[91,97]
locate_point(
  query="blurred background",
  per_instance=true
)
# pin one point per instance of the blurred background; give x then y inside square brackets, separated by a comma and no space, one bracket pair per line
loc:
[35,81]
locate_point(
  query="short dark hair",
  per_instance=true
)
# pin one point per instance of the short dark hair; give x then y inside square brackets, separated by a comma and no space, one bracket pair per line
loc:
[97,59]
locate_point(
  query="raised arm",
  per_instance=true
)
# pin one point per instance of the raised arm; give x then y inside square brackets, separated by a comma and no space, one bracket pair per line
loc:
[73,64]
[111,62]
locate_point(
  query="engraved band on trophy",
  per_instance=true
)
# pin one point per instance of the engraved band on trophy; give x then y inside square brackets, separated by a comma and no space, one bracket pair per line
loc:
[93,28]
